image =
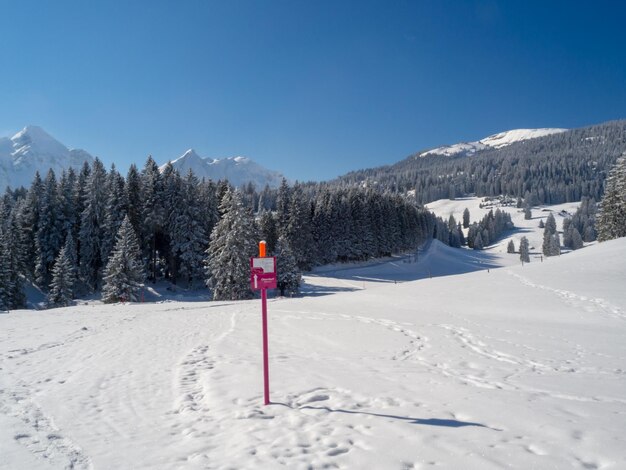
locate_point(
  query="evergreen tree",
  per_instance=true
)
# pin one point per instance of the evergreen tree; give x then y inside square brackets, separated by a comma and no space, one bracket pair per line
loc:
[209,206]
[288,274]
[548,245]
[541,224]
[68,215]
[283,203]
[466,218]
[478,242]
[124,273]
[4,274]
[233,243]
[555,245]
[12,290]
[189,241]
[551,224]
[459,230]
[577,239]
[63,276]
[132,192]
[611,220]
[527,213]
[298,230]
[29,225]
[92,226]
[547,242]
[49,237]
[510,247]
[152,213]
[268,230]
[114,212]
[524,255]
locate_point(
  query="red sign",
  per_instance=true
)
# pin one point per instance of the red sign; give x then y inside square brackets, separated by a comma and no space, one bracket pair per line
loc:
[262,273]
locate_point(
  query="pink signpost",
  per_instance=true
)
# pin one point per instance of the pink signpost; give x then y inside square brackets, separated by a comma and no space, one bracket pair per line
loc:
[263,277]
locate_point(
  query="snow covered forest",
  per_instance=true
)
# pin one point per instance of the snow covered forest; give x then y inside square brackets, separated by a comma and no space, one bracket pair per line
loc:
[556,168]
[69,236]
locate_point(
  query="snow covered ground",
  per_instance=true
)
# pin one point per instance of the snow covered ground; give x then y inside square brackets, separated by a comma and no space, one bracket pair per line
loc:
[378,366]
[523,228]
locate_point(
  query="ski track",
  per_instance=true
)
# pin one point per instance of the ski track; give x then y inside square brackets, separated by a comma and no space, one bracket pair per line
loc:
[38,432]
[192,377]
[479,379]
[575,300]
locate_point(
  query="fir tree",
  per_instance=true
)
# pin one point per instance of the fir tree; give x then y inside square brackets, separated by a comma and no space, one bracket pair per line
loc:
[189,241]
[510,247]
[298,229]
[527,213]
[12,286]
[288,274]
[124,273]
[233,243]
[478,242]
[551,224]
[132,193]
[283,203]
[114,212]
[4,274]
[555,245]
[576,239]
[466,218]
[29,224]
[524,255]
[152,213]
[48,238]
[268,230]
[63,276]
[92,226]
[611,220]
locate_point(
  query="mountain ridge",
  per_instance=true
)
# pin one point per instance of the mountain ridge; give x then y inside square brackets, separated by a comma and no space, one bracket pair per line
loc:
[237,170]
[33,150]
[498,140]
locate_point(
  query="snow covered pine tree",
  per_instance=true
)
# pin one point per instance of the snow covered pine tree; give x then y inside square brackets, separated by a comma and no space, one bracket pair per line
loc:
[124,272]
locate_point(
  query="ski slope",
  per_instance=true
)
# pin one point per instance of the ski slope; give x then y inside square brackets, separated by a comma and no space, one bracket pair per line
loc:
[378,366]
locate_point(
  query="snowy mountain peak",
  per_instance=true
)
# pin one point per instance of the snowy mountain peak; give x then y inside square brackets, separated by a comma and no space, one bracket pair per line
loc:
[32,149]
[499,140]
[237,170]
[31,132]
[503,139]
[190,156]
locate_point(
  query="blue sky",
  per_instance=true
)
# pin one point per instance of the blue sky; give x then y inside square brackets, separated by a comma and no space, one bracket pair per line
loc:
[310,88]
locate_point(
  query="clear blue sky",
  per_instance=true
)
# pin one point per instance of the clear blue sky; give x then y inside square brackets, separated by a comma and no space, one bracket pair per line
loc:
[311,88]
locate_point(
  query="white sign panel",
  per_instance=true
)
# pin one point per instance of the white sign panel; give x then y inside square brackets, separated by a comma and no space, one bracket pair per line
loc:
[266,264]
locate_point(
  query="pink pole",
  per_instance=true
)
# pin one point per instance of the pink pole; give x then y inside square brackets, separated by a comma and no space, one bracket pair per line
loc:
[266,368]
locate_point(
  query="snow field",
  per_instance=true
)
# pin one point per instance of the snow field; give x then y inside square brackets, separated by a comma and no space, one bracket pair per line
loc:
[380,366]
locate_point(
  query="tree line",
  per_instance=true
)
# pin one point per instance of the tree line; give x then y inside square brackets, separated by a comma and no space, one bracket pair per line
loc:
[63,234]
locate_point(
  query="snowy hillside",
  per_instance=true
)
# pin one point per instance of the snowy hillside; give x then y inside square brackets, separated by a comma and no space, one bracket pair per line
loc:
[32,150]
[523,228]
[499,140]
[238,170]
[378,366]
